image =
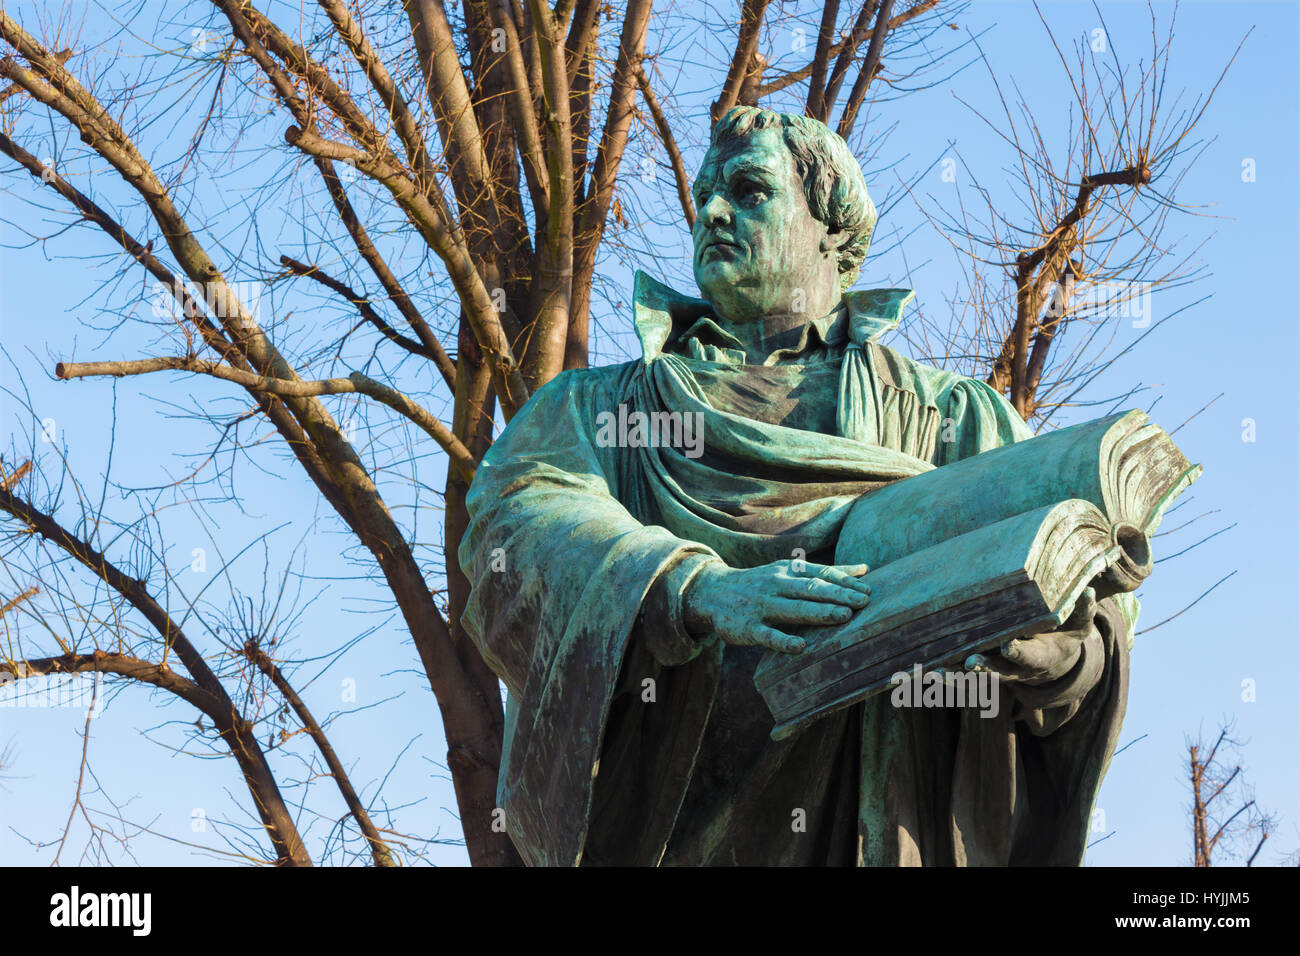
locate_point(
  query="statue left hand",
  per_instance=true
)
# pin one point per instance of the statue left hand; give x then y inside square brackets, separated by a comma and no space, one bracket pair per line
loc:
[1044,657]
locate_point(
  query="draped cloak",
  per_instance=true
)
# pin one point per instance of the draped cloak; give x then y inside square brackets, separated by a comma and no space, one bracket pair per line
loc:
[630,743]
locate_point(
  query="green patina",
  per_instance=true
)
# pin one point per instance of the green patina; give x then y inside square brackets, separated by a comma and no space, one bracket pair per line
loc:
[625,590]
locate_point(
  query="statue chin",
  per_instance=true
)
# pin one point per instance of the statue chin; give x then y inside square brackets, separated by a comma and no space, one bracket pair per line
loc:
[721,284]
[713,279]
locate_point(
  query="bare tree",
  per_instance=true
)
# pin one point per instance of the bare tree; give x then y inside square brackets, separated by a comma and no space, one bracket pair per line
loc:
[1090,253]
[1224,815]
[458,174]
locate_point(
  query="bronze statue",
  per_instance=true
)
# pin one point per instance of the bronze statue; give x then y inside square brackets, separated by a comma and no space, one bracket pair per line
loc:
[642,533]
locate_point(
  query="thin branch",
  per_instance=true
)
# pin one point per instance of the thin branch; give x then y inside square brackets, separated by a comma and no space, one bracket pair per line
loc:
[1190,606]
[298,388]
[743,60]
[396,294]
[670,145]
[378,848]
[844,51]
[868,71]
[204,691]
[362,304]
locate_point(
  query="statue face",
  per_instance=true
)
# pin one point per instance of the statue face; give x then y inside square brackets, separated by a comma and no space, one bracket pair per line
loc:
[758,249]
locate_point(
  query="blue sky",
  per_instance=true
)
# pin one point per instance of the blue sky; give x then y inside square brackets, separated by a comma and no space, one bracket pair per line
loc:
[1187,675]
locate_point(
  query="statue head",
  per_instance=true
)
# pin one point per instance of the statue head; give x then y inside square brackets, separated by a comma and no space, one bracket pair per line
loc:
[783,216]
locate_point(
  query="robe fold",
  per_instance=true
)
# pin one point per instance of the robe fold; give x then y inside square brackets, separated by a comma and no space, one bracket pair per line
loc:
[618,752]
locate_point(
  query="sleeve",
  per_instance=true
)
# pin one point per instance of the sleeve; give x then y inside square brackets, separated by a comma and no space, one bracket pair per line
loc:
[559,573]
[1064,749]
[976,419]
[1042,708]
[661,623]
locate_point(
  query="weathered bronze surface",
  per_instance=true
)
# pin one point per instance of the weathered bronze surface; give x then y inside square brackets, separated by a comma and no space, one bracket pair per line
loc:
[641,533]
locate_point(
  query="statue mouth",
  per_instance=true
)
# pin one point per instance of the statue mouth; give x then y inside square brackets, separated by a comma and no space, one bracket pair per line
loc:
[718,244]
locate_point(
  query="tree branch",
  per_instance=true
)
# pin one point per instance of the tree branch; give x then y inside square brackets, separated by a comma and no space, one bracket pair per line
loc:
[121,665]
[362,304]
[592,215]
[396,294]
[868,71]
[844,52]
[427,210]
[670,145]
[297,388]
[1011,368]
[814,105]
[519,100]
[742,61]
[205,691]
[448,93]
[378,848]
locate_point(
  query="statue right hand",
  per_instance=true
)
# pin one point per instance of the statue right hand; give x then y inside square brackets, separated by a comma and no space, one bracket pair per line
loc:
[747,607]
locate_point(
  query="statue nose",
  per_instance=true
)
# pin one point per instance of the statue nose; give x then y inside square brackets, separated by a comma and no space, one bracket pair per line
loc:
[716,210]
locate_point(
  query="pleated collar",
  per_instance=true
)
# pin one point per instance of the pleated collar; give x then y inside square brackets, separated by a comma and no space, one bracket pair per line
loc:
[662,314]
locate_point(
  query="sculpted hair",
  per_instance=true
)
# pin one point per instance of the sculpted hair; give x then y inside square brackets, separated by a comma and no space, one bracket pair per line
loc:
[832,179]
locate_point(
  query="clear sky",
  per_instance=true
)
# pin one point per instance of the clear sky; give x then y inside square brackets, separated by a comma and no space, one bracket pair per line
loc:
[1232,656]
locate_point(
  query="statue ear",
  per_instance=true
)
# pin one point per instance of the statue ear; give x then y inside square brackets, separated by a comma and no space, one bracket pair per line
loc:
[835,240]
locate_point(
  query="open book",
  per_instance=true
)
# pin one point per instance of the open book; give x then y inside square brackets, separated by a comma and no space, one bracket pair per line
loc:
[996,546]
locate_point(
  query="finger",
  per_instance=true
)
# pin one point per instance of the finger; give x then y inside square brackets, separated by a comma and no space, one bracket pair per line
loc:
[769,637]
[780,610]
[817,589]
[849,576]
[1032,656]
[995,664]
[1043,652]
[1084,610]
[1043,657]
[845,575]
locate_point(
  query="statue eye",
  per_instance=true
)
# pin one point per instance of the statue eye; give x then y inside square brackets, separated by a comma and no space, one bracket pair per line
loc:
[750,192]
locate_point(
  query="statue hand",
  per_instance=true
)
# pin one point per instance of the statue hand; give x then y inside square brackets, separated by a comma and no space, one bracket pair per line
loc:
[1044,657]
[743,606]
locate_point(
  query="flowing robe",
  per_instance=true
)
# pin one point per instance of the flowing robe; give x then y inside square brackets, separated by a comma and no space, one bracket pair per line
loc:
[629,742]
